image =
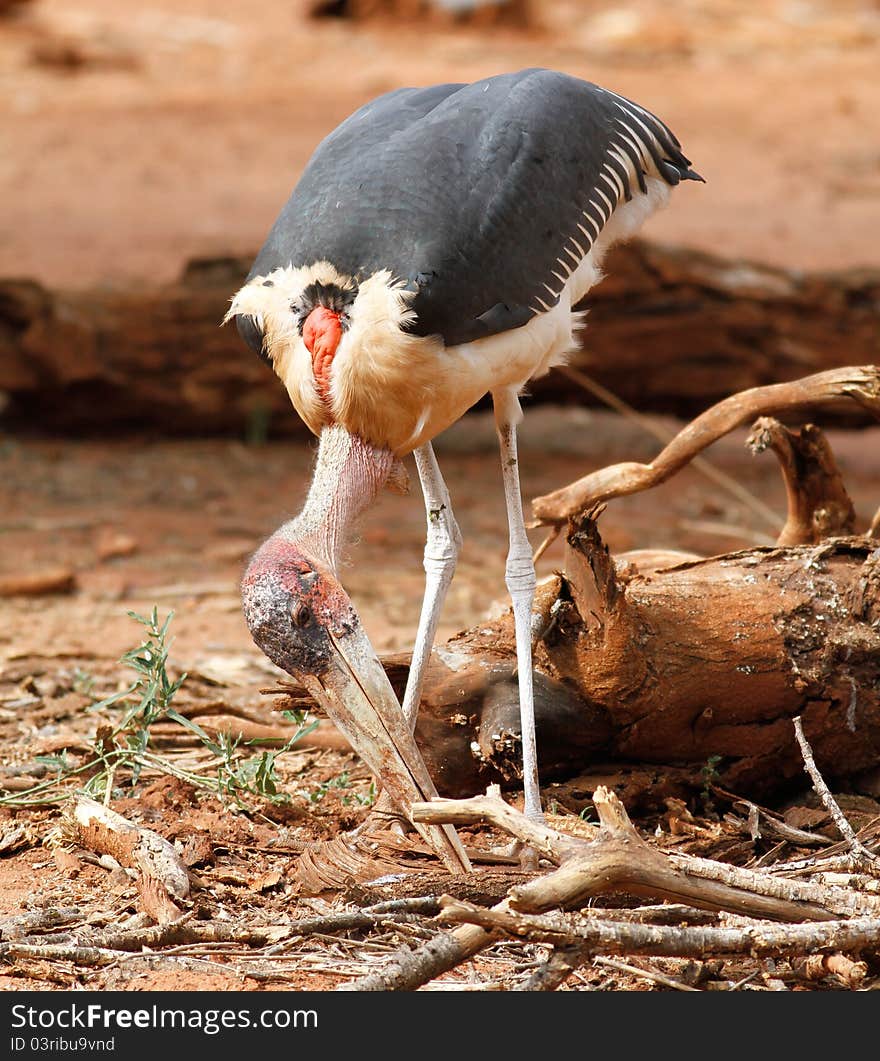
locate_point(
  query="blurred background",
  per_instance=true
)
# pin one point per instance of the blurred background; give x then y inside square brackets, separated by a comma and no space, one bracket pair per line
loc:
[145,150]
[138,135]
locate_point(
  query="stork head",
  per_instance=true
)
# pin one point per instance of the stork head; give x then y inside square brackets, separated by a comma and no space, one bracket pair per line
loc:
[304,621]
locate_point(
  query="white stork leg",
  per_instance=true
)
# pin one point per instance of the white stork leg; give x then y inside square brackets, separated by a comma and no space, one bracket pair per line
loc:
[520,578]
[441,553]
[442,547]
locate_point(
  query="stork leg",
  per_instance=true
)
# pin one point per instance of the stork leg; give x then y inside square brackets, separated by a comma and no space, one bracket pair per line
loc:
[441,553]
[520,579]
[442,547]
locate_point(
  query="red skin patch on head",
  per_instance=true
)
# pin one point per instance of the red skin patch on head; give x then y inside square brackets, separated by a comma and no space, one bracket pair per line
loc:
[322,331]
[305,579]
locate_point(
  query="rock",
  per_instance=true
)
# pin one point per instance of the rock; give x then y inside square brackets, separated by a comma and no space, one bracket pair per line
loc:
[38,583]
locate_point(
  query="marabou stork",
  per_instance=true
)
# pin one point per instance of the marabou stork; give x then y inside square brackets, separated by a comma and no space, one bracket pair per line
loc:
[433,251]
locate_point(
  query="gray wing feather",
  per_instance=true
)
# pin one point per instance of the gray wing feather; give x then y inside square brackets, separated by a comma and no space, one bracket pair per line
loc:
[474,195]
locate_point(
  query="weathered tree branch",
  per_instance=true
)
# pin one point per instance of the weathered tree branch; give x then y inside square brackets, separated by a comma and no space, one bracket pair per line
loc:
[617,859]
[861,383]
[162,876]
[818,503]
[604,937]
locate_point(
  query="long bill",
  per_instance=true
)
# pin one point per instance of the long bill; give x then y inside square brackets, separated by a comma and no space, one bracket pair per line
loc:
[357,695]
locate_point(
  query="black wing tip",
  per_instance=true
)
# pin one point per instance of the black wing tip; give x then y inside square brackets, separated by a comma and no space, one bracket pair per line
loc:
[674,171]
[252,335]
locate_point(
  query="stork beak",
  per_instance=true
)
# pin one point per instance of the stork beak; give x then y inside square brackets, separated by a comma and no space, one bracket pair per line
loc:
[356,693]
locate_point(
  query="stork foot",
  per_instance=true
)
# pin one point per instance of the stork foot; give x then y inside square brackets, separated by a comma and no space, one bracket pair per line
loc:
[384,815]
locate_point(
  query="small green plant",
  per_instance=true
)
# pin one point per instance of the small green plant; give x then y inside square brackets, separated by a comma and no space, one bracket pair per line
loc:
[83,682]
[123,748]
[710,777]
[342,781]
[366,799]
[709,773]
[255,775]
[149,696]
[59,764]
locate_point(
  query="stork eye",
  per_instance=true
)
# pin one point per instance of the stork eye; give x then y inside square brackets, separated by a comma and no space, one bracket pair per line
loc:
[302,616]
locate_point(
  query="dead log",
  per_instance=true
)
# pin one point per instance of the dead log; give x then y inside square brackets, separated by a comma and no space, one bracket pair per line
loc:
[707,661]
[670,330]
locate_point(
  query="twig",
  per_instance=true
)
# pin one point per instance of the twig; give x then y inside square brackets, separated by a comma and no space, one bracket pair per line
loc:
[720,478]
[824,793]
[645,974]
[553,534]
[774,824]
[546,841]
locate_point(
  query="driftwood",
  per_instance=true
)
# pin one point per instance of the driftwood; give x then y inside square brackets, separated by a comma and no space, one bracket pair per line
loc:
[616,859]
[687,663]
[163,880]
[670,330]
[860,383]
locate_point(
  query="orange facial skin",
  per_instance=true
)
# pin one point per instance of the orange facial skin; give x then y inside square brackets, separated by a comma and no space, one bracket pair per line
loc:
[321,333]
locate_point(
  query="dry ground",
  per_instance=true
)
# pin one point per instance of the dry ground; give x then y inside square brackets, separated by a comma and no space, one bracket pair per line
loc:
[134,139]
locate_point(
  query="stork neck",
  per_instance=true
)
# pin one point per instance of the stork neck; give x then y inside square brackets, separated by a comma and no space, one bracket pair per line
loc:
[348,475]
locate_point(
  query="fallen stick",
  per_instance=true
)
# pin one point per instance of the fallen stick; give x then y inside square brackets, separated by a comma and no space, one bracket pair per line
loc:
[90,956]
[34,922]
[643,974]
[861,383]
[408,970]
[38,583]
[617,859]
[162,876]
[857,848]
[604,937]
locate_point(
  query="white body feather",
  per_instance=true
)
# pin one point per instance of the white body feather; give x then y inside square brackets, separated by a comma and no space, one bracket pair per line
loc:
[397,390]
